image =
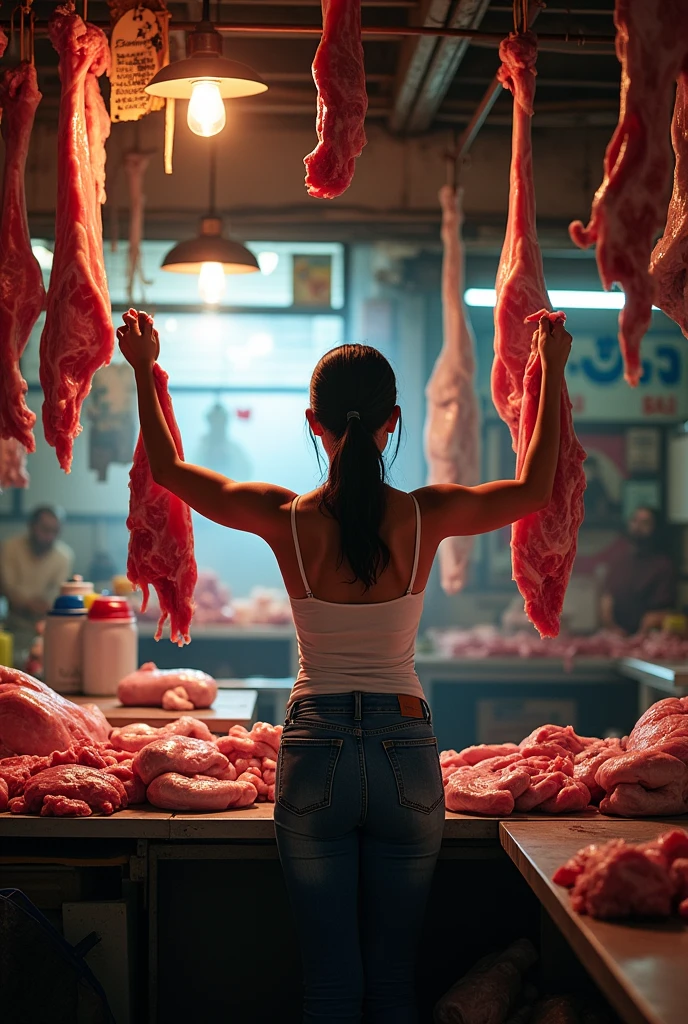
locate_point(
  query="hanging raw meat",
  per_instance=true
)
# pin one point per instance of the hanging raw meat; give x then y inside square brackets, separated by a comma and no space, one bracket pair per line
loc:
[339,75]
[3,42]
[22,295]
[78,336]
[135,164]
[543,545]
[630,205]
[161,544]
[669,264]
[13,472]
[452,427]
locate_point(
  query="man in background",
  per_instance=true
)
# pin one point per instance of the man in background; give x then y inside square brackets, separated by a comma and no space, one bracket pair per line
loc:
[33,565]
[640,584]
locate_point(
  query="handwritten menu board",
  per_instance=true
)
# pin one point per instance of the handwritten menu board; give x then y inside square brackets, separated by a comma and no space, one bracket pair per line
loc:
[138,53]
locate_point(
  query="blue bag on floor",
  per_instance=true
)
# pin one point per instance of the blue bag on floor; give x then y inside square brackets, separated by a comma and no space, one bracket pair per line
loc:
[44,980]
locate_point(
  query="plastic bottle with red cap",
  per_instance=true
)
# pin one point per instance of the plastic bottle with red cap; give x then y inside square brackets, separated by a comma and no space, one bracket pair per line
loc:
[111,643]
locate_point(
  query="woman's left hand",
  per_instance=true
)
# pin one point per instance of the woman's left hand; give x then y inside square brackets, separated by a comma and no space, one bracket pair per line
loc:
[138,340]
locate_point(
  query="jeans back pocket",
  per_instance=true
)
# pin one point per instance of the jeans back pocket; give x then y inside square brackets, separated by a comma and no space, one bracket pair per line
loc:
[416,767]
[306,772]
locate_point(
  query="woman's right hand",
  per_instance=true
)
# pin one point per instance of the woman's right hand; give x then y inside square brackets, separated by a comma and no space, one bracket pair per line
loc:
[138,340]
[554,345]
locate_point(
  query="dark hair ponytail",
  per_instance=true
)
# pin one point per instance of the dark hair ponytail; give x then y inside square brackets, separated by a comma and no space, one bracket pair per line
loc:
[356,379]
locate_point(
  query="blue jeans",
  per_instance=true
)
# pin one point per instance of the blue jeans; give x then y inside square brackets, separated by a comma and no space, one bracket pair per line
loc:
[359,817]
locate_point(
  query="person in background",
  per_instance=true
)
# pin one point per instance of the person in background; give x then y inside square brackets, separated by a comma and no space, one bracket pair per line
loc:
[640,588]
[32,567]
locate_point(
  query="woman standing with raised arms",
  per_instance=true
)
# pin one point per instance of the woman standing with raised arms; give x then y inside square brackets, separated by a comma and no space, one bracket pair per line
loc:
[359,811]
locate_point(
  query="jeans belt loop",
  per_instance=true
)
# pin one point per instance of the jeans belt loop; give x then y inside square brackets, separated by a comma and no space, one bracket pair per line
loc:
[357,705]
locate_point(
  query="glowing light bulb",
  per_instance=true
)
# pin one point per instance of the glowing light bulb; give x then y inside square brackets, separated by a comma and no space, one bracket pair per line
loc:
[267,261]
[211,283]
[206,115]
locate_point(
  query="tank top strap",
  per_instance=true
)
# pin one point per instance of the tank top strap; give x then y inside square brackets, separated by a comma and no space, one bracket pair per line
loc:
[416,552]
[297,546]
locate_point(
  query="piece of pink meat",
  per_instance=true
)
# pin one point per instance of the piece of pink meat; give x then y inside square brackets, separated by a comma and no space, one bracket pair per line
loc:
[138,735]
[161,542]
[663,727]
[481,791]
[452,425]
[174,792]
[22,295]
[147,686]
[3,42]
[669,263]
[78,336]
[643,784]
[543,545]
[36,720]
[182,754]
[339,75]
[629,207]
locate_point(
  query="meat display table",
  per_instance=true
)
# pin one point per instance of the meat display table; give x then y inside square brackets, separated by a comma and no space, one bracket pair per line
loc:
[641,969]
[231,707]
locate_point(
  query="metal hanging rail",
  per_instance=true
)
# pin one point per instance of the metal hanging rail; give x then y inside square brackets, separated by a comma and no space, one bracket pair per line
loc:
[377,32]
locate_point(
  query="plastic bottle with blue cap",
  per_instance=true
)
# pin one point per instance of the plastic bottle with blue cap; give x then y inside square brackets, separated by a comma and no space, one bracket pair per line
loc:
[63,647]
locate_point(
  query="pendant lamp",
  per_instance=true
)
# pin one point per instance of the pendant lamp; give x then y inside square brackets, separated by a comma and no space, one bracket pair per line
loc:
[205,78]
[210,254]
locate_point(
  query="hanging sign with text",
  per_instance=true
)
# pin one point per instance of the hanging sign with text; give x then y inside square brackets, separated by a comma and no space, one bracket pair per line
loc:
[138,43]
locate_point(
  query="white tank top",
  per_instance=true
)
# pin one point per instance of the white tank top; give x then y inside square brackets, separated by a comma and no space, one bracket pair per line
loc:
[348,647]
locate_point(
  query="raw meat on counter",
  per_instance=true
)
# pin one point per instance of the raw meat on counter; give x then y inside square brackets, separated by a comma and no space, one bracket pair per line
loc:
[630,205]
[36,720]
[70,791]
[173,792]
[339,75]
[13,472]
[78,336]
[148,686]
[669,263]
[488,642]
[161,543]
[619,879]
[452,426]
[22,295]
[181,754]
[543,545]
[4,795]
[136,736]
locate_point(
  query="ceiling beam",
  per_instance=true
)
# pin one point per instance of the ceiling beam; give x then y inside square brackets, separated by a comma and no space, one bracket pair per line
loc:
[443,66]
[425,57]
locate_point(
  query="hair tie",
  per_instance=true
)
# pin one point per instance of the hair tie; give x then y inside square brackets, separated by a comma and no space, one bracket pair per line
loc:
[353,415]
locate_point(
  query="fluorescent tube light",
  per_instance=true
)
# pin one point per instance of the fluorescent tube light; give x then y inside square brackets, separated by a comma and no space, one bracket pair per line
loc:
[560,299]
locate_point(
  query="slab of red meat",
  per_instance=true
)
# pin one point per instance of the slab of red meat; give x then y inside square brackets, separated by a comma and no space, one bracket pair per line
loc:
[339,75]
[36,720]
[13,472]
[138,735]
[4,795]
[564,735]
[173,792]
[543,545]
[22,295]
[181,754]
[65,789]
[147,686]
[669,263]
[630,205]
[643,784]
[589,761]
[481,752]
[78,335]
[3,42]
[664,726]
[161,543]
[452,425]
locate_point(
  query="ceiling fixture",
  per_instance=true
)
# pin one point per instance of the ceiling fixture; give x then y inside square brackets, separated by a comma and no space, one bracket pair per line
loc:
[210,254]
[206,79]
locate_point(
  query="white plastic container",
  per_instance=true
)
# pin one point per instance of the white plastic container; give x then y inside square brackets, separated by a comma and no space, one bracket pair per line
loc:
[62,644]
[77,585]
[111,644]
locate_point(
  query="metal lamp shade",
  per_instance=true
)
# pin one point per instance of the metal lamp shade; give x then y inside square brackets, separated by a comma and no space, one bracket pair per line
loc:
[176,81]
[187,257]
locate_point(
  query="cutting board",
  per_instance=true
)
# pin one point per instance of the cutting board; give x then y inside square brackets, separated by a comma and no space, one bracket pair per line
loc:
[231,707]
